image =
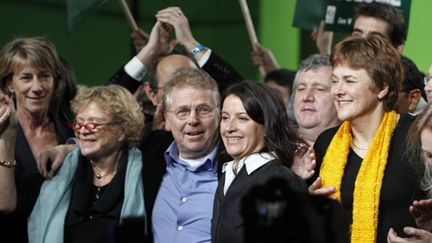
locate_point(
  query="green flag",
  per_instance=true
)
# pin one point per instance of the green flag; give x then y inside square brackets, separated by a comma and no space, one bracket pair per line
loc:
[78,10]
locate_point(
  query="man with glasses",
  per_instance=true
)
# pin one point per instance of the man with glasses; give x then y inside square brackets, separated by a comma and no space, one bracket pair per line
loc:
[180,182]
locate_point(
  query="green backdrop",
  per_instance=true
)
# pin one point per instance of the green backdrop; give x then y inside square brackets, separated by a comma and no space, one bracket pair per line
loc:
[101,44]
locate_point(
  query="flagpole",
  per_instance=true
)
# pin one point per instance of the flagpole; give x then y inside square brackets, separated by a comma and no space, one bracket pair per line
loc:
[130,19]
[250,28]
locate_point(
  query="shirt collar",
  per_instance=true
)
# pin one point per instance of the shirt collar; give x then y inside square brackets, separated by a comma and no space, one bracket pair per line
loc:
[252,162]
[172,156]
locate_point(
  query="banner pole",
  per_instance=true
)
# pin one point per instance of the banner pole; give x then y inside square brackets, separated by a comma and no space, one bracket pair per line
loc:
[130,19]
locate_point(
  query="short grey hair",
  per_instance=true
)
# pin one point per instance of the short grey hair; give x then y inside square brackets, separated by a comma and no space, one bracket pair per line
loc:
[313,62]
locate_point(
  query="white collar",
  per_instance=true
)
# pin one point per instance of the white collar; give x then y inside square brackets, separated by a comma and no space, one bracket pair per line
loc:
[252,162]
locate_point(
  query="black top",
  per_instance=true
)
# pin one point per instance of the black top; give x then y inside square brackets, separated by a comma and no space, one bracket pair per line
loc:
[227,222]
[400,184]
[14,226]
[94,213]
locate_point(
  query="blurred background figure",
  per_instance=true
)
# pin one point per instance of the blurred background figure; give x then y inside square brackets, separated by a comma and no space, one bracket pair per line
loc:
[412,96]
[428,84]
[382,19]
[70,89]
[282,81]
[419,143]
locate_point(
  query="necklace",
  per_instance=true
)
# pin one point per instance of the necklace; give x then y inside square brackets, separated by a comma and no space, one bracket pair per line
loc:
[98,173]
[358,147]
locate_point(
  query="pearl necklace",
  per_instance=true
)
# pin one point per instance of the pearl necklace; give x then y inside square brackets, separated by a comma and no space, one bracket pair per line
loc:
[98,173]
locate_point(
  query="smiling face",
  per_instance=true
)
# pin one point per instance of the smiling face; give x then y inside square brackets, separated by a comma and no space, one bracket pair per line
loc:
[354,93]
[104,140]
[313,102]
[195,136]
[241,135]
[33,89]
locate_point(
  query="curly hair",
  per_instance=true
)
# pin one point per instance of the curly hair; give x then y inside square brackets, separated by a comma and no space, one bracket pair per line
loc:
[117,102]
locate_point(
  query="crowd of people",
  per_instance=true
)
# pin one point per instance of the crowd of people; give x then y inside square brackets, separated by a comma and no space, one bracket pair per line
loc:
[338,151]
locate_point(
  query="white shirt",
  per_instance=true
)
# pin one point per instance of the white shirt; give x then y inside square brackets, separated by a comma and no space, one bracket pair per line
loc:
[252,163]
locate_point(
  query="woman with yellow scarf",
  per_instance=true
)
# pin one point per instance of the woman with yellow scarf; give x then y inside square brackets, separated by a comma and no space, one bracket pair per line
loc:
[362,160]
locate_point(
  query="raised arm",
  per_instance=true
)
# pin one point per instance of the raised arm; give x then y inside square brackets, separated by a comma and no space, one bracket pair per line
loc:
[219,69]
[323,39]
[263,58]
[8,125]
[131,74]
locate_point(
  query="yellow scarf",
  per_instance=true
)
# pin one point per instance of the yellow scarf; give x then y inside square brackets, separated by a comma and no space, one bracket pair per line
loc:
[369,179]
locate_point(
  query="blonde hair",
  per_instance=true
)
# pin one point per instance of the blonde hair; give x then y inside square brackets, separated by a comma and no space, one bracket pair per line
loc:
[117,102]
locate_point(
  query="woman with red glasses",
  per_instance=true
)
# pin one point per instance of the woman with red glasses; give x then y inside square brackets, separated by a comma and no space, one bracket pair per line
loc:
[99,186]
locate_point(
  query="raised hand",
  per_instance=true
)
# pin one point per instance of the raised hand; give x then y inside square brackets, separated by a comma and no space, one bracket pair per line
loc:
[8,120]
[263,57]
[323,39]
[422,213]
[176,18]
[317,189]
[304,162]
[50,160]
[158,42]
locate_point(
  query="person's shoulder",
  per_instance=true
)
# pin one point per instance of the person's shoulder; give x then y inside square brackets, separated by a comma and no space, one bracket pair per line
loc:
[157,138]
[325,137]
[406,119]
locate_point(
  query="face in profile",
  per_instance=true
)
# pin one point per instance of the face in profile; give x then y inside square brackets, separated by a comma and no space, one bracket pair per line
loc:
[33,88]
[283,91]
[426,145]
[428,84]
[354,93]
[193,118]
[313,102]
[241,135]
[98,135]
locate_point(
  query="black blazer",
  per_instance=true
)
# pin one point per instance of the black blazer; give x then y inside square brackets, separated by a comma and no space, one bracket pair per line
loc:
[227,222]
[216,67]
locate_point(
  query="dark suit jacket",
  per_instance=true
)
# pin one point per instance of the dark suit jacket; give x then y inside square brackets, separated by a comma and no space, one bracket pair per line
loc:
[227,222]
[154,167]
[216,67]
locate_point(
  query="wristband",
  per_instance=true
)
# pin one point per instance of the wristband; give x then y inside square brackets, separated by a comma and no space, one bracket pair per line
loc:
[198,48]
